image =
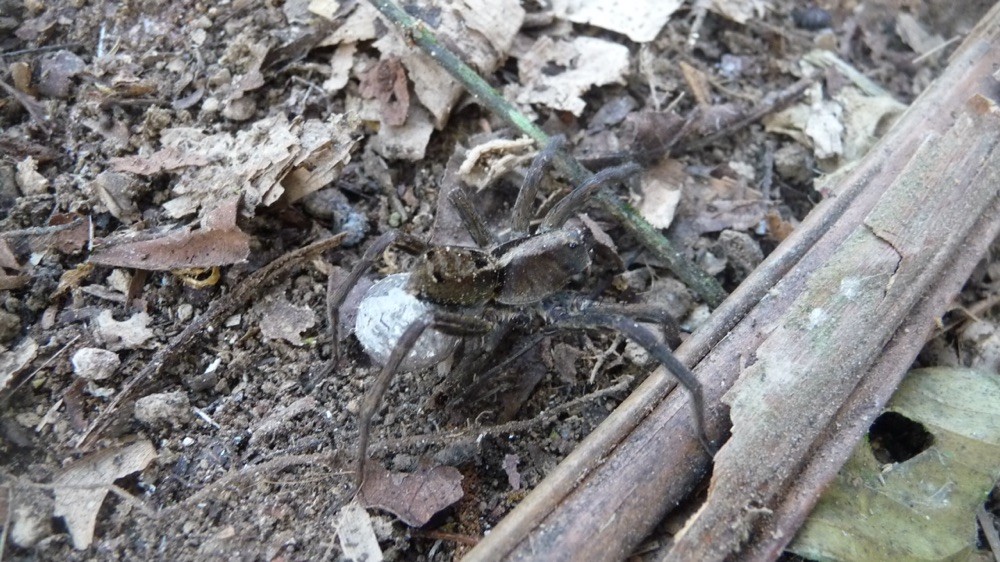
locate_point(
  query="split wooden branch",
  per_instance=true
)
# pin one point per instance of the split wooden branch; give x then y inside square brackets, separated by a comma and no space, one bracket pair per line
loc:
[806,352]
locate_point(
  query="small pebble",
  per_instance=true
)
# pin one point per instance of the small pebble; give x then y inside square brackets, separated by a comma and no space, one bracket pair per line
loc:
[811,18]
[185,312]
[95,364]
[171,408]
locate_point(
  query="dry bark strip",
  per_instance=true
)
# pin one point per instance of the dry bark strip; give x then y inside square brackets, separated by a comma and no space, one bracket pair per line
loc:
[807,351]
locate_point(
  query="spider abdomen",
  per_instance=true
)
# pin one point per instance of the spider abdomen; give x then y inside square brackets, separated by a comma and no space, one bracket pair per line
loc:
[541,265]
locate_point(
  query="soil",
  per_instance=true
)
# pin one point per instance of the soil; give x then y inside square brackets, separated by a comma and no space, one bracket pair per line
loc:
[255,435]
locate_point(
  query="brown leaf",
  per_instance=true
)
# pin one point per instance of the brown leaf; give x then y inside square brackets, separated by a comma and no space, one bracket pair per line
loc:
[387,83]
[219,242]
[68,241]
[7,258]
[413,497]
[280,319]
[81,487]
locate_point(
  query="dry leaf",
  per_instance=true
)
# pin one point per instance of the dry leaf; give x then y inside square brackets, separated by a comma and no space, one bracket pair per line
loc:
[28,179]
[325,150]
[81,487]
[661,192]
[914,34]
[640,20]
[252,163]
[127,334]
[116,190]
[280,319]
[413,497]
[406,142]
[272,424]
[218,242]
[587,61]
[166,159]
[481,31]
[341,63]
[7,258]
[386,82]
[740,11]
[67,241]
[12,361]
[356,534]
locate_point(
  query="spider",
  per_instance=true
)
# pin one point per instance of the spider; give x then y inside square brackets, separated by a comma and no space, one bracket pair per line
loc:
[450,289]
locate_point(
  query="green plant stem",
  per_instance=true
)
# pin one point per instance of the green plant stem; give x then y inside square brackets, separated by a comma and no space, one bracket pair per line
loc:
[416,31]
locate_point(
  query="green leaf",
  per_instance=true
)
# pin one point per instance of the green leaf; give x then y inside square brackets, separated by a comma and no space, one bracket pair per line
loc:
[923,508]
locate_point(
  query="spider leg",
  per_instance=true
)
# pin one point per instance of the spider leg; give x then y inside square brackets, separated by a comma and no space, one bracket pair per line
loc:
[583,319]
[576,198]
[451,323]
[471,218]
[521,216]
[335,297]
[643,312]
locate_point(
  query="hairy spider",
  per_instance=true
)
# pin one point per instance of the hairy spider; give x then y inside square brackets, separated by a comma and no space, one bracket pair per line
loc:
[450,288]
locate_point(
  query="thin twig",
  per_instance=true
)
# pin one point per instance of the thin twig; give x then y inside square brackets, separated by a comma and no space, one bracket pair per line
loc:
[40,230]
[45,49]
[706,286]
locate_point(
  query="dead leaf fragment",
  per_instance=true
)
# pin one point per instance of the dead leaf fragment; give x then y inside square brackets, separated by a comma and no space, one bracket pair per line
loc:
[740,11]
[387,83]
[280,319]
[167,159]
[29,180]
[7,258]
[95,364]
[914,34]
[357,535]
[56,73]
[128,334]
[252,163]
[640,20]
[218,242]
[920,508]
[277,418]
[408,141]
[13,360]
[482,31]
[81,487]
[661,192]
[587,62]
[413,497]
[116,190]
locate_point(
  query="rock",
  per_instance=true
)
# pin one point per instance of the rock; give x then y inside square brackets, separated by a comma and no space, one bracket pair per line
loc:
[171,408]
[95,364]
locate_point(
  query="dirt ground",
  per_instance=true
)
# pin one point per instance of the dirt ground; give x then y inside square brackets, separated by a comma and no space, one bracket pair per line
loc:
[123,120]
